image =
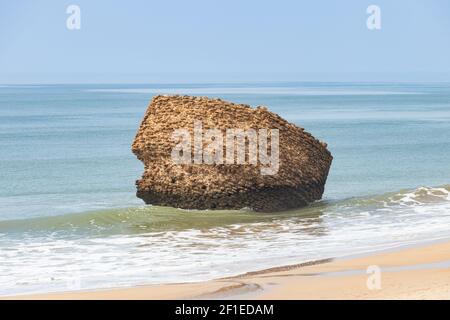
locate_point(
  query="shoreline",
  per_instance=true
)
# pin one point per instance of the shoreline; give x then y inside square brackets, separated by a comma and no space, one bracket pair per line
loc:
[413,271]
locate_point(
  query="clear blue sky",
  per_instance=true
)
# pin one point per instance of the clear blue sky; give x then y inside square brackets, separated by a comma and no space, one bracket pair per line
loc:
[138,41]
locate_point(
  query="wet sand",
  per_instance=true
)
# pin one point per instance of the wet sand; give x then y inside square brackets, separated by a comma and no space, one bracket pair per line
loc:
[420,272]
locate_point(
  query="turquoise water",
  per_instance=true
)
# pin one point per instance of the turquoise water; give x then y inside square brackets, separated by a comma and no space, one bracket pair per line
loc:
[67,203]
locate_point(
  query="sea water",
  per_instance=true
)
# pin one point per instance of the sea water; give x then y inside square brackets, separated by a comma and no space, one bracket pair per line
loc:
[69,218]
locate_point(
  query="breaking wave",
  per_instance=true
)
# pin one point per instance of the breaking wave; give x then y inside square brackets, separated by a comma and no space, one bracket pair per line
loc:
[153,218]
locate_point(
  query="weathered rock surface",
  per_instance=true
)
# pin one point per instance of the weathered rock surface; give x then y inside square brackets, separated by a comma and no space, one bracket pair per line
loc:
[304,162]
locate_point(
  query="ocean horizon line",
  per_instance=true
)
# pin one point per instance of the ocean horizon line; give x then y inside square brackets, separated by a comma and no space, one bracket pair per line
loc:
[387,82]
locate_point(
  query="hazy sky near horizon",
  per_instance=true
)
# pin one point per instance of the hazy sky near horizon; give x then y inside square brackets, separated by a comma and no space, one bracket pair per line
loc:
[126,41]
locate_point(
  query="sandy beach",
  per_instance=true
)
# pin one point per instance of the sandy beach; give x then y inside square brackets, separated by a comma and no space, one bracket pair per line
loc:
[419,272]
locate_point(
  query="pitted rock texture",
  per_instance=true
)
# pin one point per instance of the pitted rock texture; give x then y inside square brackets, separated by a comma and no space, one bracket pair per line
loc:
[304,162]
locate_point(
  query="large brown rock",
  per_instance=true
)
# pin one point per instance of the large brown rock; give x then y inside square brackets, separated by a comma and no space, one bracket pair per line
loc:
[303,161]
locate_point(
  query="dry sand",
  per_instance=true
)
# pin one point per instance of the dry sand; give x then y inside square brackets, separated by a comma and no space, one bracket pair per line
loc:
[421,272]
